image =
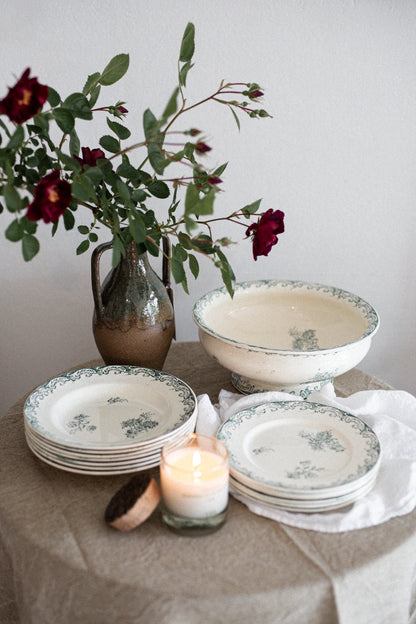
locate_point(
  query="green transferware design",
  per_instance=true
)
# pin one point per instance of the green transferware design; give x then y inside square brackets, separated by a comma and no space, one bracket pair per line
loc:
[135,426]
[304,341]
[179,399]
[299,445]
[305,470]
[81,422]
[322,440]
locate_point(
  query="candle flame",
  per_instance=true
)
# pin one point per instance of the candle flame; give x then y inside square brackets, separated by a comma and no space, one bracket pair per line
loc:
[196,459]
[196,463]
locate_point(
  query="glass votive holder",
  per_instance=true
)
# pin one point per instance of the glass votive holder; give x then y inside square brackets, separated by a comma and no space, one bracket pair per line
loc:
[194,484]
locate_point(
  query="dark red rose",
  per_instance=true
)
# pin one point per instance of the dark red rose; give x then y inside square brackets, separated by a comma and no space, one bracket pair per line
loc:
[265,232]
[122,110]
[52,198]
[89,156]
[25,99]
[202,147]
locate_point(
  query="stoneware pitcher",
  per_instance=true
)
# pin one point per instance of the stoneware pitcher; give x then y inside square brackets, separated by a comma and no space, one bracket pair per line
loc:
[133,321]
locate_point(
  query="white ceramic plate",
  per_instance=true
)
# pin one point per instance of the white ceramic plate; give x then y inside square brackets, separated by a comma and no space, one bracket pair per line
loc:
[109,407]
[104,471]
[300,449]
[302,506]
[102,459]
[139,450]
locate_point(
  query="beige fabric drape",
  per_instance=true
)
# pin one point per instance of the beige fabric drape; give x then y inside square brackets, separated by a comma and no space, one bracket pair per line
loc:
[60,563]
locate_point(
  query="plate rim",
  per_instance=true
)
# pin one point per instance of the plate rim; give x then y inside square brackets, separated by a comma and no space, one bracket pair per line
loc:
[315,408]
[47,388]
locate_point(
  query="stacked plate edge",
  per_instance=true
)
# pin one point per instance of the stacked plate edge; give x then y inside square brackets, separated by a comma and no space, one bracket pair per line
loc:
[108,419]
[300,456]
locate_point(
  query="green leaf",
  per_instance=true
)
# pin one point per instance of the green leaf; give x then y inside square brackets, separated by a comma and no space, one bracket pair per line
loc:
[139,195]
[205,205]
[123,190]
[83,229]
[219,170]
[204,244]
[16,139]
[74,143]
[172,105]
[121,131]
[118,251]
[91,82]
[188,43]
[69,162]
[191,198]
[80,192]
[12,198]
[251,208]
[30,247]
[94,175]
[83,247]
[178,273]
[237,121]
[65,119]
[159,189]
[115,70]
[93,237]
[183,73]
[78,104]
[194,266]
[149,123]
[29,226]
[5,128]
[53,97]
[196,205]
[156,157]
[15,231]
[94,95]
[227,273]
[179,253]
[138,229]
[42,122]
[151,247]
[190,224]
[110,144]
[69,220]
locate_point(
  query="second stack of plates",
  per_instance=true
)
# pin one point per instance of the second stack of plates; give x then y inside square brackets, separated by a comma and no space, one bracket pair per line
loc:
[300,456]
[109,419]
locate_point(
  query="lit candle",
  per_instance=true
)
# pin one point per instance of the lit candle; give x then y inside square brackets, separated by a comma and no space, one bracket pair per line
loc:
[194,476]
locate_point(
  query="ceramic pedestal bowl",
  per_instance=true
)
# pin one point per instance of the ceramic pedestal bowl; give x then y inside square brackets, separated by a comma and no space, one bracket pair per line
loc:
[285,335]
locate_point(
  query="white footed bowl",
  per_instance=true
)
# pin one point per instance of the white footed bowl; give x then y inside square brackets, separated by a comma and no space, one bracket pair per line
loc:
[285,335]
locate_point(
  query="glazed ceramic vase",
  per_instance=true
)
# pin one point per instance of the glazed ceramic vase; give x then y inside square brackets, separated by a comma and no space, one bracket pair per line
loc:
[133,321]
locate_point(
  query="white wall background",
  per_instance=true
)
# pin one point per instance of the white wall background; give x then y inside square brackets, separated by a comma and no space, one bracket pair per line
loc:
[338,156]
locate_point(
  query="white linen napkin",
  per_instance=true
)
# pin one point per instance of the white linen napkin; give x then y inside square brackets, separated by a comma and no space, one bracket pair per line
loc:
[390,413]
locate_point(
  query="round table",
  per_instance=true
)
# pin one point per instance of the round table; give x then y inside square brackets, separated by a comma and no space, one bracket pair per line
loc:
[60,562]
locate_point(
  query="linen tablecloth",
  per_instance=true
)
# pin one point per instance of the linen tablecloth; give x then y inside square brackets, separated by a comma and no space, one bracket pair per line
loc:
[60,562]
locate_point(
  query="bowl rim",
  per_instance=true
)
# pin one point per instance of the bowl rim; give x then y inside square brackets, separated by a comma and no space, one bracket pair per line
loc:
[369,313]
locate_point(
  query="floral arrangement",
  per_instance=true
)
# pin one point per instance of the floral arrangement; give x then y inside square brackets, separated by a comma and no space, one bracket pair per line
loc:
[42,178]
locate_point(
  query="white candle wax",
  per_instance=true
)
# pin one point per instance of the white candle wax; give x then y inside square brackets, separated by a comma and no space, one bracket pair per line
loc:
[194,482]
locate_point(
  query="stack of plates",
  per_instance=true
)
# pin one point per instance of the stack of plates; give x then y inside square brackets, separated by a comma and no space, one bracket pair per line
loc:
[300,456]
[109,419]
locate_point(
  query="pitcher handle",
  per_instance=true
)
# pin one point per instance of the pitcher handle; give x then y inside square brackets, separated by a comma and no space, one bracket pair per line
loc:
[95,278]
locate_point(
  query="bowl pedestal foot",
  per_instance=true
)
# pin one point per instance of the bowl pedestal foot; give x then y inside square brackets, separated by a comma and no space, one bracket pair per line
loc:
[251,386]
